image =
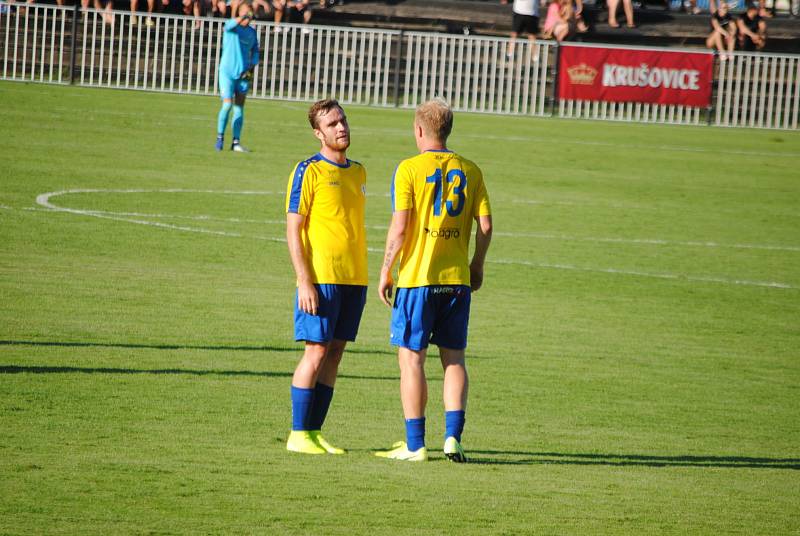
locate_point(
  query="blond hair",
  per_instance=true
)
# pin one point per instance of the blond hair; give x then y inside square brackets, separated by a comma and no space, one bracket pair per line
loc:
[436,118]
[321,108]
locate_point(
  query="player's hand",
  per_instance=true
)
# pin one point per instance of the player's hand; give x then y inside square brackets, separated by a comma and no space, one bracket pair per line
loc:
[385,288]
[475,276]
[307,298]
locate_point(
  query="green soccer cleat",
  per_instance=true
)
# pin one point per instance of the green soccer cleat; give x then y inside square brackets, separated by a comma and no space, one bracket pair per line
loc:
[399,451]
[301,441]
[454,451]
[316,436]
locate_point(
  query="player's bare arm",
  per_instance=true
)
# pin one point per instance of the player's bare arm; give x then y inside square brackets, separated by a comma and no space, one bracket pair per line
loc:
[394,245]
[483,237]
[307,298]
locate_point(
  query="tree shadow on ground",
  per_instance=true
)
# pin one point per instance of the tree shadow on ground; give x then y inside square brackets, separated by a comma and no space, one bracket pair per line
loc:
[16,369]
[138,346]
[503,457]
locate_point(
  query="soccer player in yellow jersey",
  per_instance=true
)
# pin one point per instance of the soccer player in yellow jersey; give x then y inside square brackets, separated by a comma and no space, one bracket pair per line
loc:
[435,198]
[327,243]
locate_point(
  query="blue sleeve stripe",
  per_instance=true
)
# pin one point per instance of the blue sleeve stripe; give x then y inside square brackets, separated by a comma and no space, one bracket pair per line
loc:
[297,186]
[392,188]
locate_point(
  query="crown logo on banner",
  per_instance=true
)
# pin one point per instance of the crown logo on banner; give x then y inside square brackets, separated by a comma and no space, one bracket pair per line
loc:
[582,74]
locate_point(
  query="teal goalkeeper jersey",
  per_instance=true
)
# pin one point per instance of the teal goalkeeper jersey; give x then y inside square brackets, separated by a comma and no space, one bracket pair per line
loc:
[239,49]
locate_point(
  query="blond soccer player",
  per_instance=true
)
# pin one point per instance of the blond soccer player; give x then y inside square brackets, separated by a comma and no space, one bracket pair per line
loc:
[436,197]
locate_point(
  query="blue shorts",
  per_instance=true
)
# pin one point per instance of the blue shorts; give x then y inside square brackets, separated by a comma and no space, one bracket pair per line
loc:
[228,87]
[338,316]
[437,314]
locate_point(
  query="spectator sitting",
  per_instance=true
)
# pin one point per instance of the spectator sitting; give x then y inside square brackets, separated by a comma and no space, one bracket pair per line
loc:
[296,11]
[613,7]
[557,22]
[723,32]
[752,29]
[268,9]
[221,7]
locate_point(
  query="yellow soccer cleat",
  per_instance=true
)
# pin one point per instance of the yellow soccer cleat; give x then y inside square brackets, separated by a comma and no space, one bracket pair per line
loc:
[399,451]
[454,451]
[302,442]
[316,436]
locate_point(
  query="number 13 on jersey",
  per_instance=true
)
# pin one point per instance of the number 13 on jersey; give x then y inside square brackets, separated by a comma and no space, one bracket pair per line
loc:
[454,175]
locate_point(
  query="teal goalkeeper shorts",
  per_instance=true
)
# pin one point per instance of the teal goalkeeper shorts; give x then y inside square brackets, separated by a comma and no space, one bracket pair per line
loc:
[228,87]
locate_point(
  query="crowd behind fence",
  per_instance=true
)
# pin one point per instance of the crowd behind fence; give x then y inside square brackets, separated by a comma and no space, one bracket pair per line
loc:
[362,66]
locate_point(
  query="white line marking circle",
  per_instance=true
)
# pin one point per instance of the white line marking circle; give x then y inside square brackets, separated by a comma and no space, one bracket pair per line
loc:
[132,217]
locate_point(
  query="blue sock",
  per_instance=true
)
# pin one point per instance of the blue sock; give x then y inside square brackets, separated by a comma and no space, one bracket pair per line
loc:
[222,118]
[301,407]
[454,424]
[415,433]
[319,409]
[238,121]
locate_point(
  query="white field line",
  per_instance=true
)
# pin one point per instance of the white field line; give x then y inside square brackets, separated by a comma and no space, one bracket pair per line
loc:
[44,201]
[675,277]
[647,241]
[524,139]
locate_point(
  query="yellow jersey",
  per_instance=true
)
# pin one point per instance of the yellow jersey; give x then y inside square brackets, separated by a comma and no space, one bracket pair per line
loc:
[443,193]
[332,198]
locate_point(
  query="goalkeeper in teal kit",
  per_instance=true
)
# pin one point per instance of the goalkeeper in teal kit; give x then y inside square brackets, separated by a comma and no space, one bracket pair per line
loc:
[239,57]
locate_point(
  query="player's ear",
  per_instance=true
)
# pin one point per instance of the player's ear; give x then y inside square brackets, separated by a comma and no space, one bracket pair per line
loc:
[318,134]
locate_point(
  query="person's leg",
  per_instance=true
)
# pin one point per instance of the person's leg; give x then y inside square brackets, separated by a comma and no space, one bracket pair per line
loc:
[280,6]
[226,92]
[560,31]
[510,49]
[238,121]
[222,121]
[532,43]
[713,41]
[413,395]
[456,380]
[323,394]
[731,40]
[627,6]
[109,12]
[326,380]
[302,390]
[455,390]
[613,6]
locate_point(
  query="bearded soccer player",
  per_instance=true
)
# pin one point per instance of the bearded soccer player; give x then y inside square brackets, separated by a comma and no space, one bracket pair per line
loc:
[435,198]
[239,58]
[327,243]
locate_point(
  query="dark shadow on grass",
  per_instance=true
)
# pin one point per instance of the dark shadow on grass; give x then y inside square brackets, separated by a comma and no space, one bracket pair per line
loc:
[502,457]
[224,348]
[15,369]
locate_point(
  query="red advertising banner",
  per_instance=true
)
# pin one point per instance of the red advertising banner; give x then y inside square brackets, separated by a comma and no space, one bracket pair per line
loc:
[649,76]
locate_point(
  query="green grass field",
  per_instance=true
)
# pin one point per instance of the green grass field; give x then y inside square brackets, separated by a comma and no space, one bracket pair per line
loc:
[634,353]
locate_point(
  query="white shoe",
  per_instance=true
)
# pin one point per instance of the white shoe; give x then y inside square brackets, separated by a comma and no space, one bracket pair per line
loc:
[239,148]
[454,451]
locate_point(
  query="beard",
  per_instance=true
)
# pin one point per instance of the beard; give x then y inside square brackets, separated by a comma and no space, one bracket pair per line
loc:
[338,144]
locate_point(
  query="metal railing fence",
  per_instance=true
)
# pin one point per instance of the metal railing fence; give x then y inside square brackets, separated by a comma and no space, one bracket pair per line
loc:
[361,66]
[35,43]
[181,54]
[758,90]
[477,74]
